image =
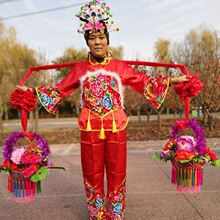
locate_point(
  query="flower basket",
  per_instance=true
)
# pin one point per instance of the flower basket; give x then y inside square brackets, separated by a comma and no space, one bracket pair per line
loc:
[26,165]
[188,156]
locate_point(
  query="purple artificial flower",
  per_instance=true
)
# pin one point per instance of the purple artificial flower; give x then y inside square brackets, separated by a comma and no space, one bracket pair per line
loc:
[169,153]
[50,164]
[45,150]
[9,144]
[162,155]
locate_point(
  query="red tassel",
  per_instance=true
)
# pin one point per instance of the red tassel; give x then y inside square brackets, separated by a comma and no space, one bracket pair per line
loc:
[34,188]
[187,107]
[27,187]
[10,186]
[24,119]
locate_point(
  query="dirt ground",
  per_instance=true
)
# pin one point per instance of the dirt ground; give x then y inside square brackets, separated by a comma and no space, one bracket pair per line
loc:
[143,131]
[136,131]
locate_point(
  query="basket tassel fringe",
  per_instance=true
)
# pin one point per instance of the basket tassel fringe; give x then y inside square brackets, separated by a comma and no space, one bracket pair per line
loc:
[23,190]
[187,179]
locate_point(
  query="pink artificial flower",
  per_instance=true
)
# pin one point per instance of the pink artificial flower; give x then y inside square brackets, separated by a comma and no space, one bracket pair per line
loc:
[91,25]
[30,157]
[186,142]
[17,154]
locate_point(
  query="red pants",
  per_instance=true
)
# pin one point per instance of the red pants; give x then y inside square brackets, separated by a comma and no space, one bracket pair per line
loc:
[98,155]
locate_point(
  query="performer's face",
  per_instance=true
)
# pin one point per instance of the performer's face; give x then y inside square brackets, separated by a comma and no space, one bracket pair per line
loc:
[98,44]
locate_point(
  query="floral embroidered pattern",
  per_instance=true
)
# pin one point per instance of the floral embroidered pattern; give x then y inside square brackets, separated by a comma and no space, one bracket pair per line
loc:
[100,93]
[49,97]
[155,90]
[116,202]
[95,203]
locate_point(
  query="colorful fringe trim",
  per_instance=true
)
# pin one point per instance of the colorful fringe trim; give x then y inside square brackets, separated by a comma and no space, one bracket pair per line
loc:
[23,190]
[187,177]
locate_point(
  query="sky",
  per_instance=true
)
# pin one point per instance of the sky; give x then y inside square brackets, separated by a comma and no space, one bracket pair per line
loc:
[141,23]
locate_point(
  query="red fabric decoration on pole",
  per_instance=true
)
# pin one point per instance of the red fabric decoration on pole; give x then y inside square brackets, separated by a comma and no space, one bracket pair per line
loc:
[190,88]
[23,101]
[187,90]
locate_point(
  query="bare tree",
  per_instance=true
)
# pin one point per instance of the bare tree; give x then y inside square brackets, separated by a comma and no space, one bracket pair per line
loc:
[15,59]
[200,51]
[163,54]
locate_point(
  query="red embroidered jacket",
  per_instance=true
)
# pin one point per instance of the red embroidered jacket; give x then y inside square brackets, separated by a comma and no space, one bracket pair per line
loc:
[102,93]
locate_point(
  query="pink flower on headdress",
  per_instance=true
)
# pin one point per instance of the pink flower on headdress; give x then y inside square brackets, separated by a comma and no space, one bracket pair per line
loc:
[92,25]
[88,26]
[17,154]
[99,26]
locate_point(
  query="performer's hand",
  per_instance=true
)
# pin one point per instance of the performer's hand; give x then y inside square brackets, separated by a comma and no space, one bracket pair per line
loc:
[179,79]
[24,88]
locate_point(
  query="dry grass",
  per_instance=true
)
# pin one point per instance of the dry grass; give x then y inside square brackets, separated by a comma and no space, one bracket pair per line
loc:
[136,131]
